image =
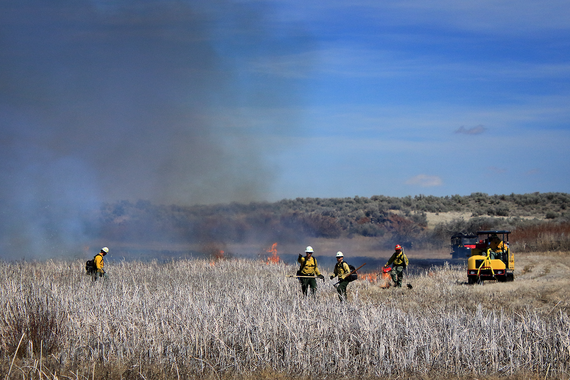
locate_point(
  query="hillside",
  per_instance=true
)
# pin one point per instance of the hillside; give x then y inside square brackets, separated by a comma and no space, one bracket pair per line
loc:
[423,221]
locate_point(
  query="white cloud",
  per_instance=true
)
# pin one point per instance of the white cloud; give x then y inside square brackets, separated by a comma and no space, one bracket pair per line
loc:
[508,16]
[424,180]
[352,60]
[487,16]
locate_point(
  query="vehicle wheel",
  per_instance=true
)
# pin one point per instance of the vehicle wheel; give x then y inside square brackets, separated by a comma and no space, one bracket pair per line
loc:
[510,277]
[471,280]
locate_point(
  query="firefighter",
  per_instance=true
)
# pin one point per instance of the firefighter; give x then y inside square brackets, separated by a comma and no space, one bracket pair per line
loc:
[100,264]
[309,268]
[342,270]
[399,262]
[497,247]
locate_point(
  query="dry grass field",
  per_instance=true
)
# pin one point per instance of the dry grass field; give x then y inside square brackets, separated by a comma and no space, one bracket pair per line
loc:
[246,319]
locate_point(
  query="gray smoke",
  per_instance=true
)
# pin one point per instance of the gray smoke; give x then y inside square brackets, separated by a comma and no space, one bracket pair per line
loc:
[105,101]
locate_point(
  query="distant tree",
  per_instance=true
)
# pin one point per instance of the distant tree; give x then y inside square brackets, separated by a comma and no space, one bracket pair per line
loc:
[420,219]
[502,211]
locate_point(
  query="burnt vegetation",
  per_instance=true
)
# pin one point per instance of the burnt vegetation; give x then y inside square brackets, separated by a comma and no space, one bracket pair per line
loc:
[538,220]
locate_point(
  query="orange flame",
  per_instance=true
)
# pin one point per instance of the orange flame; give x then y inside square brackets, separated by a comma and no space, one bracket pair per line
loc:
[274,259]
[385,281]
[217,256]
[372,277]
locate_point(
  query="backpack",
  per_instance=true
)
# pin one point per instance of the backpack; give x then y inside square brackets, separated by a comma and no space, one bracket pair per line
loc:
[353,276]
[90,267]
[302,266]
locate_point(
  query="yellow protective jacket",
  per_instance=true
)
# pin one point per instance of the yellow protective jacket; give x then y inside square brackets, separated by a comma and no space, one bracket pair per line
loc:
[341,270]
[399,259]
[497,247]
[99,263]
[308,266]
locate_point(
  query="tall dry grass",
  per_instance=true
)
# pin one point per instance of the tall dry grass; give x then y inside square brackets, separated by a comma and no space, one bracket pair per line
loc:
[551,236]
[242,318]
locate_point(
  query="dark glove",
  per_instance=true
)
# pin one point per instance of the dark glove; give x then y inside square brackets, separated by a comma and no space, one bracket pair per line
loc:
[332,277]
[300,255]
[321,277]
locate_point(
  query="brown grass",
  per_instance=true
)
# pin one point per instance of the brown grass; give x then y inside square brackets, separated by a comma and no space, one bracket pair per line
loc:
[551,236]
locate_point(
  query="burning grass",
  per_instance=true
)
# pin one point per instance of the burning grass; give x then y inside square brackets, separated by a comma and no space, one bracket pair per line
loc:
[244,319]
[274,258]
[382,279]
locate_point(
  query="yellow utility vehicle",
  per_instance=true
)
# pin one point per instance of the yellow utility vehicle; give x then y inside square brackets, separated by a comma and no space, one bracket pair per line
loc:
[491,259]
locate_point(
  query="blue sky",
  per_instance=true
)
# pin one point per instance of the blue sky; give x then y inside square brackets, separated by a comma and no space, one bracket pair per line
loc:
[448,98]
[211,102]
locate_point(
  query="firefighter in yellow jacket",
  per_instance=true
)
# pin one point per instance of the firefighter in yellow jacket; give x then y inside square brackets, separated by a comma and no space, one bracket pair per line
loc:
[399,262]
[497,247]
[100,263]
[309,271]
[342,270]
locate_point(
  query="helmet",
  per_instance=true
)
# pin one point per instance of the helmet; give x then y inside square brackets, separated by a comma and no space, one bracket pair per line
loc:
[105,249]
[398,247]
[339,254]
[309,249]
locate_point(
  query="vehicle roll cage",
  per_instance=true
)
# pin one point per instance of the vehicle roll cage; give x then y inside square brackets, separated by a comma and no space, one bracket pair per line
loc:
[502,234]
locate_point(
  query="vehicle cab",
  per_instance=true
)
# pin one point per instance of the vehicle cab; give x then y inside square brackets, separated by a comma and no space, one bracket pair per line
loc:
[462,244]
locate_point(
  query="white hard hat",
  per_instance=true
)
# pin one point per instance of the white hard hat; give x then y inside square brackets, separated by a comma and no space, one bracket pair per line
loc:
[105,249]
[339,254]
[309,249]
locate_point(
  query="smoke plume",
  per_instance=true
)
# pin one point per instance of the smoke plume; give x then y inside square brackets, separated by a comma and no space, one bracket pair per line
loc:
[105,101]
